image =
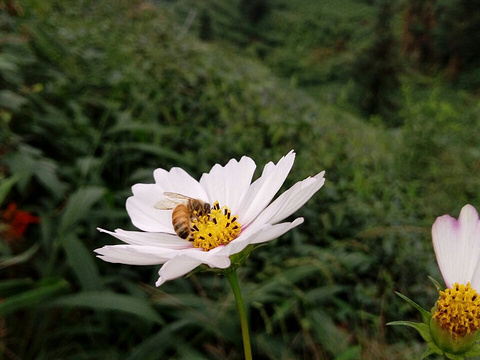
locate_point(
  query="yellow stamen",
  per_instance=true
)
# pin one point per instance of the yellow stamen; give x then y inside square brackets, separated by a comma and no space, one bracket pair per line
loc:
[458,310]
[217,228]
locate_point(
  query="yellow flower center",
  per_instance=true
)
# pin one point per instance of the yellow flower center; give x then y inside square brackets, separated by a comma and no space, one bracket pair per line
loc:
[458,310]
[217,228]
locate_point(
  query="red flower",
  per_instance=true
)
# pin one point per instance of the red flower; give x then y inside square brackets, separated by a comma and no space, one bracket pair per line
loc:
[16,221]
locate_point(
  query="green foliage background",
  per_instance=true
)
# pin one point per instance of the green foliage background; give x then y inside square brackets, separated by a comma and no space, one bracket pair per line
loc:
[95,95]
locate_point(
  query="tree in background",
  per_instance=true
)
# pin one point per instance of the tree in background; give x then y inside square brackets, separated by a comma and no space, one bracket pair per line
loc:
[254,10]
[446,33]
[11,7]
[418,25]
[206,31]
[457,34]
[375,70]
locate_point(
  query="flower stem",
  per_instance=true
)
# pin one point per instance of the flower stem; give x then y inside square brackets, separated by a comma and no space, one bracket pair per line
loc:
[232,278]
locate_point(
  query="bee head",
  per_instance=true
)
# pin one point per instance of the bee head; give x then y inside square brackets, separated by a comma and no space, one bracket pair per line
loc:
[206,208]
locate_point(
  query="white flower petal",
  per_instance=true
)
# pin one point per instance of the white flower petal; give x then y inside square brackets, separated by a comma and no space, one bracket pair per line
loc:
[175,268]
[229,184]
[142,212]
[135,254]
[260,235]
[457,247]
[183,264]
[179,181]
[262,191]
[276,231]
[210,258]
[141,206]
[163,240]
[242,241]
[291,200]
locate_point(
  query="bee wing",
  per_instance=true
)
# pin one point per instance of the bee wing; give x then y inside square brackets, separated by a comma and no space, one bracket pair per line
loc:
[171,200]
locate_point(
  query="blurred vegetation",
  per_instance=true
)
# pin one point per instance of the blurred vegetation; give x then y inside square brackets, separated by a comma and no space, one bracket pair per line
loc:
[95,95]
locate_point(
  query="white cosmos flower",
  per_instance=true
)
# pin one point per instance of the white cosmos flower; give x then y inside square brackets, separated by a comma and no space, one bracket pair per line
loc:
[457,247]
[229,186]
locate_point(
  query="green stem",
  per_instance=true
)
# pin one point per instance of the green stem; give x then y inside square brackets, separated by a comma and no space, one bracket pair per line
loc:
[232,278]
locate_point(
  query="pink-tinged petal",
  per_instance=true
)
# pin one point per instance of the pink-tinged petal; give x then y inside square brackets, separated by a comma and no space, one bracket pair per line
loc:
[168,241]
[470,237]
[444,240]
[262,191]
[475,282]
[229,184]
[179,181]
[457,246]
[142,211]
[291,200]
[135,254]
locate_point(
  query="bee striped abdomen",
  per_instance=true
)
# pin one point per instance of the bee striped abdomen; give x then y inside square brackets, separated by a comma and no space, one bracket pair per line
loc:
[181,221]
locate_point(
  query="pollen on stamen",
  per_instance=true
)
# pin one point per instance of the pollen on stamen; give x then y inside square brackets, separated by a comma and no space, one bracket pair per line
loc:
[214,229]
[458,310]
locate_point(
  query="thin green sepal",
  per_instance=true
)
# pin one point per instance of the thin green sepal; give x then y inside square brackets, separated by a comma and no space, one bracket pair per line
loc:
[431,351]
[455,356]
[436,284]
[474,351]
[426,315]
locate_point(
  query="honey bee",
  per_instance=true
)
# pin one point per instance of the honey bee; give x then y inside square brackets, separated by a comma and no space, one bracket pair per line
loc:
[185,209]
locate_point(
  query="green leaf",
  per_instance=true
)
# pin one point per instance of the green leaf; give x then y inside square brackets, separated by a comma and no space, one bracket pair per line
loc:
[6,63]
[158,152]
[10,100]
[78,206]
[423,329]
[109,301]
[168,334]
[33,297]
[351,353]
[20,258]
[6,185]
[45,171]
[131,126]
[13,286]
[329,334]
[82,263]
[28,162]
[188,353]
[426,315]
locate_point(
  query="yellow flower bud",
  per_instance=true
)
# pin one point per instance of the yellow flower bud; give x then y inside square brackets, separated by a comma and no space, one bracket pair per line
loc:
[456,319]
